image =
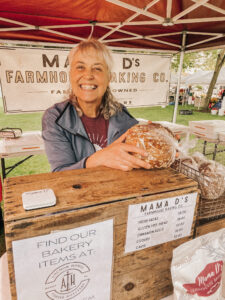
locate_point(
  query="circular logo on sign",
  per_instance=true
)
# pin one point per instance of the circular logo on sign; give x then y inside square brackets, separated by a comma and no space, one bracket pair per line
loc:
[67,281]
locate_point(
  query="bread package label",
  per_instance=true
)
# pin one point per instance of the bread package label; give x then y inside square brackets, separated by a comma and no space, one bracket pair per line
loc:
[197,267]
[207,281]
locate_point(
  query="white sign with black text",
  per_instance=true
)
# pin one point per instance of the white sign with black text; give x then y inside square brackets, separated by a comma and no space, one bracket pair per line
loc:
[34,79]
[156,222]
[69,264]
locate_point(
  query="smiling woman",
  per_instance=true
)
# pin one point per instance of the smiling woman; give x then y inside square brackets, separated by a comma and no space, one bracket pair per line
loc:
[89,129]
[89,77]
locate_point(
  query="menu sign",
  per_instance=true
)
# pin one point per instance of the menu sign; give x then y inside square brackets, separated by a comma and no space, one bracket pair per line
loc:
[156,222]
[69,264]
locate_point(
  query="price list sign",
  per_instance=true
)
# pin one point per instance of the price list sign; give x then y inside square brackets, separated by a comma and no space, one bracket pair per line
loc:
[156,222]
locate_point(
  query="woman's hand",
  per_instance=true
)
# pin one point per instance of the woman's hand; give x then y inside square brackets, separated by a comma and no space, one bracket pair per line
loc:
[118,156]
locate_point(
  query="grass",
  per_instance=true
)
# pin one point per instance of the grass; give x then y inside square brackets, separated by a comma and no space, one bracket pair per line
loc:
[166,114]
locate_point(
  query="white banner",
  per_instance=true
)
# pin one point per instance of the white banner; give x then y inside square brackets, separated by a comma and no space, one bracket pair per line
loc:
[34,79]
[69,264]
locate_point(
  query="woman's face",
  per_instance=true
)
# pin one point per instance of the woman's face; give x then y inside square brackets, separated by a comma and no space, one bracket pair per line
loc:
[89,77]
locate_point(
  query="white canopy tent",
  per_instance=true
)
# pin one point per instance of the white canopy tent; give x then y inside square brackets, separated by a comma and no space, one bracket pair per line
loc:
[174,78]
[205,77]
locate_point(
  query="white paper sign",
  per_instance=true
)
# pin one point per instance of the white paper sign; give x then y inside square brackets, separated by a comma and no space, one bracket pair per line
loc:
[70,264]
[34,79]
[156,222]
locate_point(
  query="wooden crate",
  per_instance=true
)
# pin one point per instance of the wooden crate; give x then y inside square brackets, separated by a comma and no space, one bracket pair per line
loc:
[89,196]
[210,226]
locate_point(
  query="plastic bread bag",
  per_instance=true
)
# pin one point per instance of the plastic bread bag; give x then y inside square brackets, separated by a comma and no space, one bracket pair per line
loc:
[212,177]
[157,140]
[197,267]
[190,167]
[189,161]
[199,158]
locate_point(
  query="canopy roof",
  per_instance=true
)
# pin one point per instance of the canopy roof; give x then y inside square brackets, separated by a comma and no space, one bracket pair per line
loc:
[146,24]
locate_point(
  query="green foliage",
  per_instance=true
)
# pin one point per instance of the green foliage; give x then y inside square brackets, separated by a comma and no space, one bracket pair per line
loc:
[199,87]
[204,60]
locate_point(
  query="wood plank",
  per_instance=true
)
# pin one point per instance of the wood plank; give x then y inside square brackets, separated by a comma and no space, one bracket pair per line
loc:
[94,187]
[210,227]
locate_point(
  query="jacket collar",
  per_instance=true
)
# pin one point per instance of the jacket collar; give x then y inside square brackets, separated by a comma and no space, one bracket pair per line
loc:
[119,124]
[70,121]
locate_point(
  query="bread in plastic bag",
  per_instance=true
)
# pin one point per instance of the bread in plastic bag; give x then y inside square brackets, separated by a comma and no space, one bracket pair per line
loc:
[197,266]
[212,181]
[157,140]
[209,174]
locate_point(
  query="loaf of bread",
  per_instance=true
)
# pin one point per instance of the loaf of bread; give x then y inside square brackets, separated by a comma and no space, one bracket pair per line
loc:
[199,158]
[190,162]
[157,140]
[211,179]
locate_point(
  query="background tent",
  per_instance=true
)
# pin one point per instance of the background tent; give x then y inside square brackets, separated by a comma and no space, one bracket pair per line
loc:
[174,78]
[196,78]
[205,77]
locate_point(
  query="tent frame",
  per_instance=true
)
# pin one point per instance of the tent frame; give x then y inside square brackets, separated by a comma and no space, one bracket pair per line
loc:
[116,26]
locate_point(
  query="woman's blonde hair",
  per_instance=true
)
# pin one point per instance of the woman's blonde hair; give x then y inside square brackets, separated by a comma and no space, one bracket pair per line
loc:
[109,106]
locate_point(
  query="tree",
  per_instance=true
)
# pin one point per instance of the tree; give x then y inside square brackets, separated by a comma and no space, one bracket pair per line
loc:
[219,63]
[189,61]
[202,60]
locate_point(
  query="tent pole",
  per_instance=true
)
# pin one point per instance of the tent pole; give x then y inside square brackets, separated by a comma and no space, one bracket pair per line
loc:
[179,76]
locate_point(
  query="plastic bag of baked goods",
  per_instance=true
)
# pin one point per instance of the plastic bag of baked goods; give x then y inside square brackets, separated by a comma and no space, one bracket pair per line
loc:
[197,267]
[212,179]
[157,140]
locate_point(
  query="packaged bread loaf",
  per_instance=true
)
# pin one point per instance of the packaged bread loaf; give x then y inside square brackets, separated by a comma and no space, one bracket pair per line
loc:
[189,161]
[209,174]
[212,183]
[191,167]
[197,267]
[157,140]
